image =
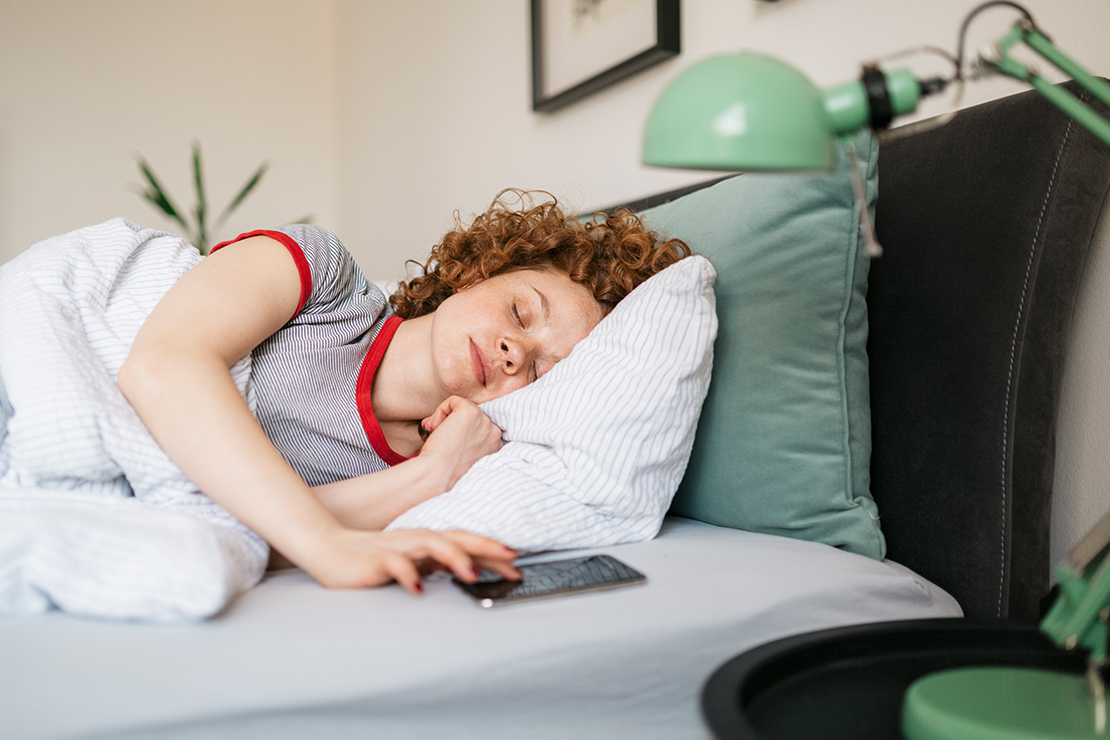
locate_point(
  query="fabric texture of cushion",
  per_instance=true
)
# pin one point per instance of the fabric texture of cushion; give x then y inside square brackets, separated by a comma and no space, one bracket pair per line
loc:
[784,441]
[596,448]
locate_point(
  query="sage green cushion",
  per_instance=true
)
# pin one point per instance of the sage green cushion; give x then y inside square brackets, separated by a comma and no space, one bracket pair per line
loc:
[783,445]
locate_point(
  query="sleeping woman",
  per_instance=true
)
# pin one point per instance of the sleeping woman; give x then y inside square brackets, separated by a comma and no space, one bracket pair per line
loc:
[293,394]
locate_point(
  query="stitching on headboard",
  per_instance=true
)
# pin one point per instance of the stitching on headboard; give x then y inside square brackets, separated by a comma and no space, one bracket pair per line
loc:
[1013,353]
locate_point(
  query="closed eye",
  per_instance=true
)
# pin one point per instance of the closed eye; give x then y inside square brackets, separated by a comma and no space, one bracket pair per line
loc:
[533,370]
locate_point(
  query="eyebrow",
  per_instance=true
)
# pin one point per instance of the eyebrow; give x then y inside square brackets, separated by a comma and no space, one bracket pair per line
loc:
[544,306]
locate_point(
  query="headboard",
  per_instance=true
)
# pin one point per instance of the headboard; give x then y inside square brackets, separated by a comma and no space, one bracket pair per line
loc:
[986,223]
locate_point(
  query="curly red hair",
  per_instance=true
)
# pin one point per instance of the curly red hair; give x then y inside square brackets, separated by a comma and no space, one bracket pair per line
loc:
[610,255]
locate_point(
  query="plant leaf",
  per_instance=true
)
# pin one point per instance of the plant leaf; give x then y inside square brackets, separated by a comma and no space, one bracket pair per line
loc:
[201,211]
[247,188]
[156,194]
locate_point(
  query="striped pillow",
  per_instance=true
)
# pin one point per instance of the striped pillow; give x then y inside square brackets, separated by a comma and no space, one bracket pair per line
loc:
[596,448]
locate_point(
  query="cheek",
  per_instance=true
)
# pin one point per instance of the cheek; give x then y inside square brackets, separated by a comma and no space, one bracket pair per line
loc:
[590,311]
[447,350]
[589,321]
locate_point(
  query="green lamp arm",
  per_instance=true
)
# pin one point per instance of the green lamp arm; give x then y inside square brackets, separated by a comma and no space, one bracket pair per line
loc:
[1024,32]
[1079,616]
[878,96]
[872,100]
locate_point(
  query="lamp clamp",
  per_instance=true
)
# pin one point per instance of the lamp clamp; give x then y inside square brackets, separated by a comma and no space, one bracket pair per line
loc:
[878,96]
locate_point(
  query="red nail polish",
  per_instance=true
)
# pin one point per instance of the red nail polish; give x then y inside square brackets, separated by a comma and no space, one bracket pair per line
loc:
[419,587]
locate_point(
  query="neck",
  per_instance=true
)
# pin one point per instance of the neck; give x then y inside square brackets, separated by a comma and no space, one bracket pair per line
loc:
[404,388]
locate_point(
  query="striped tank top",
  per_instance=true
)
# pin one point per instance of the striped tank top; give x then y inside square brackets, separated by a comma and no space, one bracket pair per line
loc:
[310,381]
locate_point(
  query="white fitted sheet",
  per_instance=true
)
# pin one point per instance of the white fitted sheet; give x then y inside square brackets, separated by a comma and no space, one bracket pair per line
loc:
[292,660]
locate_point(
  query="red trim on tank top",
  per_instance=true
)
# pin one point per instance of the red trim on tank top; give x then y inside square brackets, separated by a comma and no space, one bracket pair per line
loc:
[363,387]
[294,249]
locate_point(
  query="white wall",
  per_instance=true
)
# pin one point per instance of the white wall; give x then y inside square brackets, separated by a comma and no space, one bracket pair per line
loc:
[85,85]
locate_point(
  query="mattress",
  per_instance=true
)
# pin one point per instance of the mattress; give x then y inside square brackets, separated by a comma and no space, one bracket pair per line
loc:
[290,659]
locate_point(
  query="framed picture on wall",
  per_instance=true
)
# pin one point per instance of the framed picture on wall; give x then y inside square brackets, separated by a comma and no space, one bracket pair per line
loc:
[582,46]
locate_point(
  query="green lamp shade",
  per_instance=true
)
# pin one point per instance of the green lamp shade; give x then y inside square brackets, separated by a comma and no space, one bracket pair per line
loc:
[740,112]
[1001,703]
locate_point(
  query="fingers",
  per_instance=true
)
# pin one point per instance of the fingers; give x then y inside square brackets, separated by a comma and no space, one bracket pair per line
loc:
[461,553]
[432,422]
[455,405]
[373,558]
[480,546]
[448,553]
[445,409]
[461,434]
[402,570]
[487,553]
[506,570]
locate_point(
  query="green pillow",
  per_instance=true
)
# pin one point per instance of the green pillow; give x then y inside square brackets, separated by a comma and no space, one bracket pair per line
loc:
[784,441]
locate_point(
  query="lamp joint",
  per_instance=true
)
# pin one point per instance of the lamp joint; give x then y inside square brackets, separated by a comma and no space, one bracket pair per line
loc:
[878,97]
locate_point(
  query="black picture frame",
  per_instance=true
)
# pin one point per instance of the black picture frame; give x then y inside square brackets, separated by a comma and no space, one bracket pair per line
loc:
[665,45]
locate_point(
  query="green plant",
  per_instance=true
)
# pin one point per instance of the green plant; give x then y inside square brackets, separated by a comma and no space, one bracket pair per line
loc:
[197,232]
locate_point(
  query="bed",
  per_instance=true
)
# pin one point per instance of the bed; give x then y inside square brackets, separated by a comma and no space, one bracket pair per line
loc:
[986,224]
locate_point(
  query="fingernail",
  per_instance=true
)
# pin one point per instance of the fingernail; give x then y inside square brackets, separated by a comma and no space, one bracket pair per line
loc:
[419,587]
[473,572]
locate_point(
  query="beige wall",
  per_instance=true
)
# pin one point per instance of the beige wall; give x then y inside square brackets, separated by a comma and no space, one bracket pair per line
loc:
[87,84]
[383,117]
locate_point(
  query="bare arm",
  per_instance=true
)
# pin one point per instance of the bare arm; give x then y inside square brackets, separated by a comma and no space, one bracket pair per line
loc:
[177,378]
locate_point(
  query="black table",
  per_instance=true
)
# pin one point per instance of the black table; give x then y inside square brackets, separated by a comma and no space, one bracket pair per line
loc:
[849,682]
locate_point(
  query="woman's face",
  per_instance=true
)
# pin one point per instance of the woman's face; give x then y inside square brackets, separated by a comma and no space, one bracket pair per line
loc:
[502,333]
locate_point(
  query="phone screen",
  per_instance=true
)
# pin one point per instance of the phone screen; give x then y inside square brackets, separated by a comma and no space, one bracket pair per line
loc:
[553,578]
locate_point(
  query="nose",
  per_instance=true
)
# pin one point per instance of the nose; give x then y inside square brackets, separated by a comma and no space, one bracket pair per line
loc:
[515,356]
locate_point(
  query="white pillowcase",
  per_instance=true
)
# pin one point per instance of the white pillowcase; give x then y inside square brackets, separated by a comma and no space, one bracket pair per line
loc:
[596,448]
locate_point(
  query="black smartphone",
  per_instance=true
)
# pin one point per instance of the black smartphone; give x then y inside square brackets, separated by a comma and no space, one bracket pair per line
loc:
[552,578]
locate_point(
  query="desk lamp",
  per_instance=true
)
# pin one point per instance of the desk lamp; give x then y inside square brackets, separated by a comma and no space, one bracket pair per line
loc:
[752,112]
[748,111]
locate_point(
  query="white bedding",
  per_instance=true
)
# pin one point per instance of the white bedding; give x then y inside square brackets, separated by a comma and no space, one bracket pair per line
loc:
[292,660]
[69,309]
[108,556]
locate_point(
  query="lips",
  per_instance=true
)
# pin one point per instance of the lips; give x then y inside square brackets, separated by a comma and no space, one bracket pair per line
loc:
[478,364]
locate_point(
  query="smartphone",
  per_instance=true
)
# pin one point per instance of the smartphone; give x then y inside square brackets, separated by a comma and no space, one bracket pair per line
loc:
[552,578]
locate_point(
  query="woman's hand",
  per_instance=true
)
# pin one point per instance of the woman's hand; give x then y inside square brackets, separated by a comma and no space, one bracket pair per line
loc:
[358,559]
[460,434]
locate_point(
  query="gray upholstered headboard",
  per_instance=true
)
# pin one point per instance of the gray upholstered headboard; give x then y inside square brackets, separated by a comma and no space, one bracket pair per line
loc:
[985,223]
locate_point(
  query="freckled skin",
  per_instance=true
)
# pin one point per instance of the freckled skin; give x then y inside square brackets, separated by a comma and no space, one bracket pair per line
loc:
[506,331]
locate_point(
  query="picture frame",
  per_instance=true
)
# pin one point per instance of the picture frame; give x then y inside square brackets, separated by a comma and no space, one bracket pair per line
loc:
[582,46]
